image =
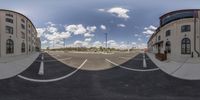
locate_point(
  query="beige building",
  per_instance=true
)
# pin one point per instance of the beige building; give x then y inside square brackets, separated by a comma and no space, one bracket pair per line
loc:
[18,35]
[178,35]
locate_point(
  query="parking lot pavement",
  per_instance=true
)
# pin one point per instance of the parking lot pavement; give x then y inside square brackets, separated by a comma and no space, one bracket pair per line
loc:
[50,68]
[111,84]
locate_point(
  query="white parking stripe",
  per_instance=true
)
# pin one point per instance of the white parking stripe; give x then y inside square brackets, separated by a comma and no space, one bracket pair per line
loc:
[144,61]
[41,70]
[138,70]
[52,80]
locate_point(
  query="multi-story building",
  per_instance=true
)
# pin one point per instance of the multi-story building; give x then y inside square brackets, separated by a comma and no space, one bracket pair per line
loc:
[18,35]
[178,35]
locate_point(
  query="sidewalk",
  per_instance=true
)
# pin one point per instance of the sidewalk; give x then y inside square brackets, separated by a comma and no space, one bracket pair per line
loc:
[11,66]
[189,69]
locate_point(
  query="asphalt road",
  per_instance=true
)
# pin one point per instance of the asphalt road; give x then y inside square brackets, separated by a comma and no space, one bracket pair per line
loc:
[110,83]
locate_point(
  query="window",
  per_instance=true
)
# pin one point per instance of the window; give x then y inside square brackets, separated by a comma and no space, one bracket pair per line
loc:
[9,20]
[22,26]
[9,15]
[185,46]
[23,35]
[159,38]
[9,46]
[168,47]
[168,33]
[29,48]
[177,16]
[185,28]
[9,29]
[23,47]
[23,20]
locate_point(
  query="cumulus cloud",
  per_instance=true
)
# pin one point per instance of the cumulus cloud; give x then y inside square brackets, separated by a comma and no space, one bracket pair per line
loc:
[58,35]
[88,39]
[117,11]
[81,30]
[44,42]
[103,27]
[40,31]
[121,25]
[76,29]
[149,30]
[97,44]
[79,43]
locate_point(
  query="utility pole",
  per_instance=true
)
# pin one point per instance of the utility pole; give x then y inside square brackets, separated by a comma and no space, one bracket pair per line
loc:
[106,36]
[128,46]
[64,42]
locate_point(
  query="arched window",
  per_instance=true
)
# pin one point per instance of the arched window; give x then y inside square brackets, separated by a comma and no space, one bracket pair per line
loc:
[168,47]
[186,46]
[23,47]
[9,46]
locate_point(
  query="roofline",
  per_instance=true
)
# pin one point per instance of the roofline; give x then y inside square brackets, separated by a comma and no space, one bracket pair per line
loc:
[175,11]
[20,14]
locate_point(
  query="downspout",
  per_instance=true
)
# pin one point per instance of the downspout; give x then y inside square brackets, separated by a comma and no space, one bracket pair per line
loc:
[195,32]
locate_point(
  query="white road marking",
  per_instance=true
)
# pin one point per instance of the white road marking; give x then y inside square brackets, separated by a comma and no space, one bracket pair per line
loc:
[42,57]
[55,60]
[41,70]
[52,80]
[125,58]
[144,61]
[139,70]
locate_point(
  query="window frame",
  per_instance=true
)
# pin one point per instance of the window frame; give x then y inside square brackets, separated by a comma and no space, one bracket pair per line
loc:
[186,46]
[168,33]
[185,28]
[9,46]
[9,29]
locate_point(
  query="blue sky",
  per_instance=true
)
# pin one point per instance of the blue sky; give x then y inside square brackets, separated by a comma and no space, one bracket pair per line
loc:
[84,22]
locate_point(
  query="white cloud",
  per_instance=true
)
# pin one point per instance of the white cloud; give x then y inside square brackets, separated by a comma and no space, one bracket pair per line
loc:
[44,42]
[149,30]
[139,39]
[121,25]
[151,27]
[81,30]
[136,35]
[102,10]
[119,12]
[76,29]
[50,24]
[58,36]
[79,43]
[40,31]
[88,39]
[97,44]
[91,28]
[52,29]
[103,27]
[88,35]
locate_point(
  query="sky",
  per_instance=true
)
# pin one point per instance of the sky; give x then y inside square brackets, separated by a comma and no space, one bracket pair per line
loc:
[85,23]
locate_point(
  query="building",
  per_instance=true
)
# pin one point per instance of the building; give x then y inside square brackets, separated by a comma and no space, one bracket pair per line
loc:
[178,35]
[18,35]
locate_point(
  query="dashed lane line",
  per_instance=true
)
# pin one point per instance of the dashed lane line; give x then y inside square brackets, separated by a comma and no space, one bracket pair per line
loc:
[138,70]
[53,80]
